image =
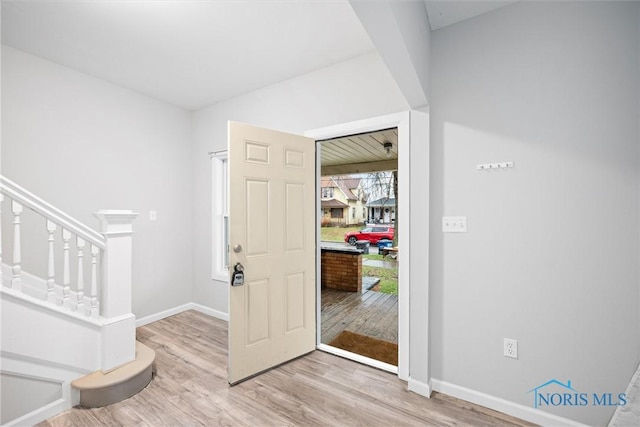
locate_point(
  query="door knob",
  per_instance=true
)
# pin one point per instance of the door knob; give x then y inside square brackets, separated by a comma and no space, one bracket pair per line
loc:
[237,248]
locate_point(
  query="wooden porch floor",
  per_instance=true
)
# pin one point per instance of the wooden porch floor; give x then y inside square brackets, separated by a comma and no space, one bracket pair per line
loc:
[369,313]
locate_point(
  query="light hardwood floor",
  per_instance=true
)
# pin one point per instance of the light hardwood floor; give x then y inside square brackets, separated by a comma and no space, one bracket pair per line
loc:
[191,388]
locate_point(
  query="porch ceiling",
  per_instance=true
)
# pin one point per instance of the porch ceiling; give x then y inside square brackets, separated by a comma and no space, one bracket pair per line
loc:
[360,153]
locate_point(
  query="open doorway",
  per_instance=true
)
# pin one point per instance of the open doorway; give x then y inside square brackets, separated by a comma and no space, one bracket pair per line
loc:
[359,247]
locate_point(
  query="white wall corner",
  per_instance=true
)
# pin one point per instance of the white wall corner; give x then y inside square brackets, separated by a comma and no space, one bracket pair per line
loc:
[210,311]
[401,34]
[179,309]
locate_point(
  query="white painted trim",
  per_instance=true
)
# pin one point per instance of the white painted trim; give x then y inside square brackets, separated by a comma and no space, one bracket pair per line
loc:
[358,358]
[162,315]
[419,387]
[219,199]
[634,380]
[43,370]
[402,122]
[23,298]
[318,189]
[38,415]
[359,126]
[117,319]
[404,246]
[210,311]
[179,309]
[498,404]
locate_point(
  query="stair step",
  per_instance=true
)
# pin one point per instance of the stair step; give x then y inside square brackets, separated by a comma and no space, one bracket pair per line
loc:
[98,389]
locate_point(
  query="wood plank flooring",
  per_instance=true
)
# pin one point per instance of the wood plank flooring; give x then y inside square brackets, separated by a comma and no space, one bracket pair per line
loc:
[318,389]
[369,313]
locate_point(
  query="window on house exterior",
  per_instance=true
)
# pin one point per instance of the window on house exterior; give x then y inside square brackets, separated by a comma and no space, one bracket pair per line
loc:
[220,217]
[353,213]
[327,192]
[336,212]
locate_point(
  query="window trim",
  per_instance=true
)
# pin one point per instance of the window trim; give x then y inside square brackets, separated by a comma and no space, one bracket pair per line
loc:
[219,216]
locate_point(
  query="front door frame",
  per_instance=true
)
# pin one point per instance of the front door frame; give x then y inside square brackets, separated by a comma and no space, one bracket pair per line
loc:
[413,142]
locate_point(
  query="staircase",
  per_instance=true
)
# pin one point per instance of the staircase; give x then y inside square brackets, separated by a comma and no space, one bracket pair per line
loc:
[68,334]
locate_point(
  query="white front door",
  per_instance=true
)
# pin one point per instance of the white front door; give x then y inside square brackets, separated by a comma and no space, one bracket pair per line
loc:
[272,236]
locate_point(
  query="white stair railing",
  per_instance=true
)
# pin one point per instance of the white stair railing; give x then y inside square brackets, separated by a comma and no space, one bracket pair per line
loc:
[105,256]
[59,226]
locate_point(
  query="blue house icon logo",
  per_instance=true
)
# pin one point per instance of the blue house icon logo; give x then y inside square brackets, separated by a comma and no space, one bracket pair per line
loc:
[565,395]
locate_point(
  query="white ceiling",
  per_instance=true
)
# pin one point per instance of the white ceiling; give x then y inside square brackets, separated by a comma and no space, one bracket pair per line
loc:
[447,12]
[194,53]
[188,53]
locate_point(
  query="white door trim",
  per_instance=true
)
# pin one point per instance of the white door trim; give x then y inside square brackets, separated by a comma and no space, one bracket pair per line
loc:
[403,123]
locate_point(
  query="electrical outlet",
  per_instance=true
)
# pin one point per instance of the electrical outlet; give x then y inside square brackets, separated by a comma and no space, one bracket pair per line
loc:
[511,348]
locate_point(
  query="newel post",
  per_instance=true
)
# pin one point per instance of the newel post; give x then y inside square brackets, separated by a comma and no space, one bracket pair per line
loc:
[119,332]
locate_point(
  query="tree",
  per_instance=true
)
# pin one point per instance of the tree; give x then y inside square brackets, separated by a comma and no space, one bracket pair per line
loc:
[384,185]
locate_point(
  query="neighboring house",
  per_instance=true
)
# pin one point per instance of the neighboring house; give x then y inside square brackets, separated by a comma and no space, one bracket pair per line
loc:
[342,200]
[382,210]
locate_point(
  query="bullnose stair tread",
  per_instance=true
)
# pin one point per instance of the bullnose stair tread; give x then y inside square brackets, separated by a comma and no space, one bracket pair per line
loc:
[97,380]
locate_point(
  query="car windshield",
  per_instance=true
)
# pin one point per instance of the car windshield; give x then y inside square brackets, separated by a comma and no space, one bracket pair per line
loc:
[366,230]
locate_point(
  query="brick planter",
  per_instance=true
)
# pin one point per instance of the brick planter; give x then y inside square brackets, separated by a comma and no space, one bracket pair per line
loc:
[341,269]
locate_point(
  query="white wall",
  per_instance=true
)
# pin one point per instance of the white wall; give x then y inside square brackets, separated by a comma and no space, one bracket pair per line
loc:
[41,392]
[83,144]
[352,90]
[551,256]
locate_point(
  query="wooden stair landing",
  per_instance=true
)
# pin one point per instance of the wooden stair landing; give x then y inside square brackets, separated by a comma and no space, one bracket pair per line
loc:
[98,389]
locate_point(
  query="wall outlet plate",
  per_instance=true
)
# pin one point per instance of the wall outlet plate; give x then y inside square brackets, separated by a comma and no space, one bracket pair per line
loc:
[454,224]
[511,348]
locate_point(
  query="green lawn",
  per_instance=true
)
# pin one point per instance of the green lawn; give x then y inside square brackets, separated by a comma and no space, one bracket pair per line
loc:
[388,278]
[374,257]
[336,234]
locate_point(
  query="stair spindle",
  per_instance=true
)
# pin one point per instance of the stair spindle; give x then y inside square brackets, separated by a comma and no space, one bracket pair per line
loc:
[92,308]
[16,269]
[63,299]
[80,243]
[51,270]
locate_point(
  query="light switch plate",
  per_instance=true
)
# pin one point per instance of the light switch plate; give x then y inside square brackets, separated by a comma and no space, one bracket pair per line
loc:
[454,224]
[153,215]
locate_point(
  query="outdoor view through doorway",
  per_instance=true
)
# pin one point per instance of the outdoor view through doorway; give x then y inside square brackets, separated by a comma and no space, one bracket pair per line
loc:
[359,246]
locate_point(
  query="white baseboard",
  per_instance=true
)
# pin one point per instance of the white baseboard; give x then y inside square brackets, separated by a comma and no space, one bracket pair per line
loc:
[423,389]
[501,405]
[210,311]
[179,309]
